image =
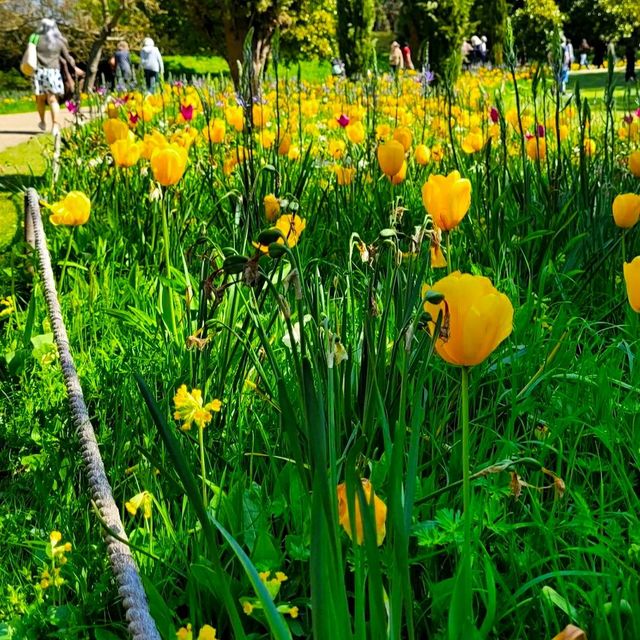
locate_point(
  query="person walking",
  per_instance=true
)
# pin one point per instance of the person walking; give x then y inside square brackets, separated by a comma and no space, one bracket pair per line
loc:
[395,58]
[151,63]
[47,79]
[584,53]
[483,50]
[406,57]
[630,58]
[123,64]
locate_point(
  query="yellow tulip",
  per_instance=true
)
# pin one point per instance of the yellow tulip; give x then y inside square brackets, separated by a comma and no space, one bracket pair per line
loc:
[379,509]
[403,136]
[391,157]
[634,163]
[626,210]
[271,206]
[356,132]
[261,114]
[477,318]
[632,280]
[536,148]
[589,147]
[216,130]
[168,164]
[125,152]
[401,175]
[473,142]
[447,199]
[72,210]
[235,117]
[115,130]
[294,152]
[422,154]
[344,175]
[151,142]
[284,145]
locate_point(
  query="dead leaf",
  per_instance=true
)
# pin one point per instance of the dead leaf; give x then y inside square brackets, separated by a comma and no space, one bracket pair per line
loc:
[571,632]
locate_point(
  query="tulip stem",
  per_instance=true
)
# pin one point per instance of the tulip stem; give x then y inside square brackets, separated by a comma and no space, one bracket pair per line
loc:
[203,470]
[66,259]
[465,574]
[624,250]
[167,259]
[449,252]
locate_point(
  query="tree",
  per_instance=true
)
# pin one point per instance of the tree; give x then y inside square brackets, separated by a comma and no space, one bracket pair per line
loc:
[491,18]
[533,25]
[355,25]
[437,28]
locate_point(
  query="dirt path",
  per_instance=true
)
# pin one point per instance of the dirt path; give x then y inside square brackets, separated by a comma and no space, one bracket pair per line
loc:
[16,128]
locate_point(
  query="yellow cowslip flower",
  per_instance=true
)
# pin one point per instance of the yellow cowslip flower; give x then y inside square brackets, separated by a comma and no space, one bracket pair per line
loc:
[115,130]
[207,632]
[184,633]
[473,142]
[634,163]
[422,154]
[401,175]
[379,508]
[626,210]
[266,138]
[536,148]
[73,210]
[476,318]
[142,500]
[291,227]
[390,157]
[190,408]
[447,199]
[9,305]
[168,164]
[355,132]
[404,137]
[271,206]
[344,175]
[632,280]
[247,607]
[125,152]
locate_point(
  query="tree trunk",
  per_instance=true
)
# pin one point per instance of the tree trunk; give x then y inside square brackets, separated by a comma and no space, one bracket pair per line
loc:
[110,23]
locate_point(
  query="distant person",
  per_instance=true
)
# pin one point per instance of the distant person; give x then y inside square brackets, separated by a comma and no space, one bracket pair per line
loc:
[395,58]
[406,57]
[123,64]
[47,79]
[475,49]
[570,53]
[467,51]
[151,63]
[565,65]
[337,68]
[584,50]
[630,57]
[483,50]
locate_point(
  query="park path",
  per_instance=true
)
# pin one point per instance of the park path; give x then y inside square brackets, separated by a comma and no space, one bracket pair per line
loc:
[16,128]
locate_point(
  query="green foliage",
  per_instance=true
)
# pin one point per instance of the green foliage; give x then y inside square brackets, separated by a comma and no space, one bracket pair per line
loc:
[490,17]
[354,34]
[436,31]
[312,31]
[533,26]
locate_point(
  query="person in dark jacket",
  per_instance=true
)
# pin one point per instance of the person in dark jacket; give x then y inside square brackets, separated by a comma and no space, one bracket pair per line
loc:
[123,64]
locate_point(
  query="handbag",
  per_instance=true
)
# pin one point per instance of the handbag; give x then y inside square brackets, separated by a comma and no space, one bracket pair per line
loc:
[29,62]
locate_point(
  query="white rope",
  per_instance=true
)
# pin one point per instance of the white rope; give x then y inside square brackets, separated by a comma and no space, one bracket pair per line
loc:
[141,624]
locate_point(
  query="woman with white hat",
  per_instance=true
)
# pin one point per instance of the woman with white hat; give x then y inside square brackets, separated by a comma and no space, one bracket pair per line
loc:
[151,62]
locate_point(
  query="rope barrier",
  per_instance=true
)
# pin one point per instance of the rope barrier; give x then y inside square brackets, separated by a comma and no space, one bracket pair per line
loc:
[141,625]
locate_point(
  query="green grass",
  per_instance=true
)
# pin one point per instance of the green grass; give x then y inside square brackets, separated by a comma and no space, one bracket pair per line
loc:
[163,292]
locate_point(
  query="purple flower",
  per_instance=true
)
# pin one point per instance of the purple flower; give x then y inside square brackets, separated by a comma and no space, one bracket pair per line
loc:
[101,91]
[179,84]
[628,118]
[72,107]
[638,113]
[494,115]
[540,131]
[239,101]
[343,120]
